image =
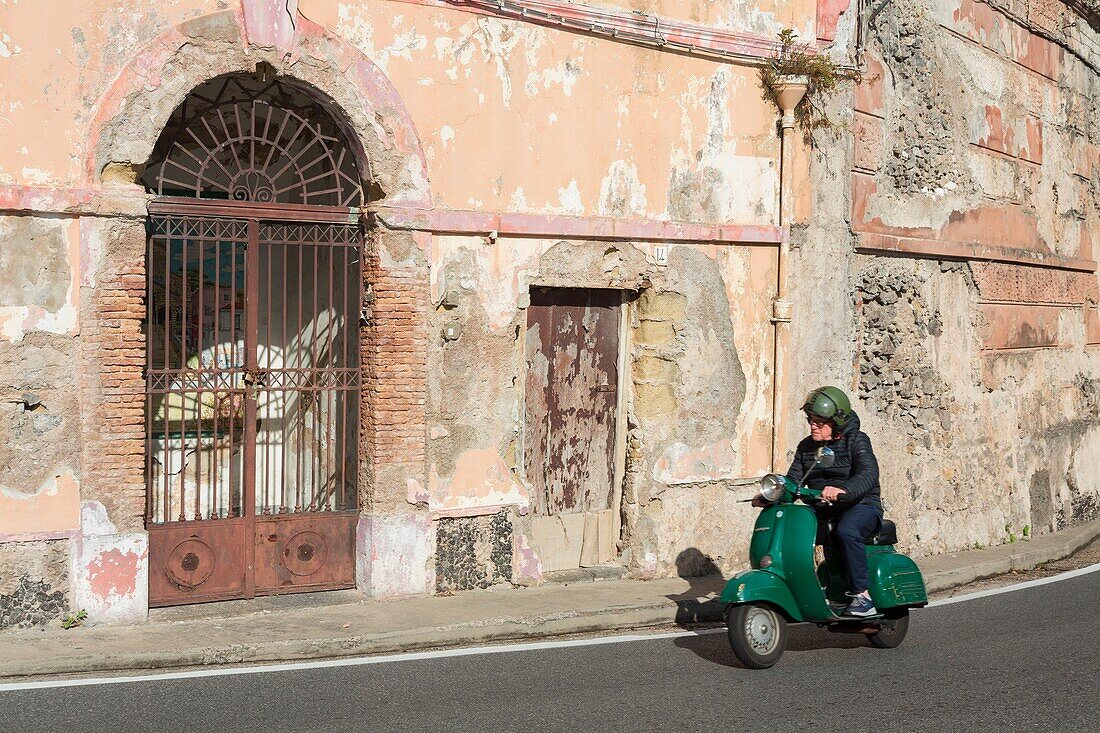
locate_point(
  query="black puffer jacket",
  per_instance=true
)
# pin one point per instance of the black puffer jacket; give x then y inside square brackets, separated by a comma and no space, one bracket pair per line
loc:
[855,469]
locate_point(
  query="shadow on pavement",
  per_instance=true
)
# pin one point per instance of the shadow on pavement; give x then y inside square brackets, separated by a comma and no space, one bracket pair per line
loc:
[715,647]
[699,603]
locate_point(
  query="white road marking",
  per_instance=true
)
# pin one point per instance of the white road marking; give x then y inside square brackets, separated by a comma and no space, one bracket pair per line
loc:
[1018,586]
[469,651]
[357,661]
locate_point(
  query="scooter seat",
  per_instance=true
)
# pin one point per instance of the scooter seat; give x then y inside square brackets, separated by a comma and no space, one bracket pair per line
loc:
[886,535]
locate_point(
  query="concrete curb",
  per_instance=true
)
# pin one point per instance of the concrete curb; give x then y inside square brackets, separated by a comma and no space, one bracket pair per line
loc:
[941,572]
[528,628]
[947,571]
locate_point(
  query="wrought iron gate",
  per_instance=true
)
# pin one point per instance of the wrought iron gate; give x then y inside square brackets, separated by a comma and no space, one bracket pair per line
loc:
[253,388]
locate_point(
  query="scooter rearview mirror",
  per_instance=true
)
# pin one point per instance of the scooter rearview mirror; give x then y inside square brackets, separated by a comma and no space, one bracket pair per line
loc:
[824,457]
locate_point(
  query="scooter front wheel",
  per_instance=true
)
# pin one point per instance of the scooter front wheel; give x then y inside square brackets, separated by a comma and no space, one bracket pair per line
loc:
[757,634]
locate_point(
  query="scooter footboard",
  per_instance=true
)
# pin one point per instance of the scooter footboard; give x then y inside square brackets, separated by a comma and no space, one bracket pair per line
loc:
[895,581]
[760,586]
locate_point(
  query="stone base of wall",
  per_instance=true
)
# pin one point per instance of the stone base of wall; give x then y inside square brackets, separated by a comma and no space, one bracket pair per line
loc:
[473,552]
[395,555]
[34,583]
[110,578]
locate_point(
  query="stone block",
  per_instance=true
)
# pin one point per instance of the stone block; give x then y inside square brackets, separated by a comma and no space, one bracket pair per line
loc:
[654,400]
[111,577]
[397,554]
[655,369]
[654,333]
[661,306]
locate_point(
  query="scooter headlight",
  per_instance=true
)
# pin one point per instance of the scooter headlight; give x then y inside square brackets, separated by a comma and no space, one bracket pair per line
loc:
[772,486]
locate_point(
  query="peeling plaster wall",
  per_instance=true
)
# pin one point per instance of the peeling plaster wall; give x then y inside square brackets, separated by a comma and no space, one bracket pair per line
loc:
[697,404]
[510,117]
[40,468]
[664,123]
[970,137]
[471,81]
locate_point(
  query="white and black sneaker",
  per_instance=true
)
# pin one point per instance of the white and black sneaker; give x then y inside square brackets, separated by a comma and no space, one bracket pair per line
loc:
[861,606]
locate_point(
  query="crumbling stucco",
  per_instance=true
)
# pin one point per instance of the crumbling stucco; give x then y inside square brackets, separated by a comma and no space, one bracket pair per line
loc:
[968,154]
[896,373]
[970,377]
[927,135]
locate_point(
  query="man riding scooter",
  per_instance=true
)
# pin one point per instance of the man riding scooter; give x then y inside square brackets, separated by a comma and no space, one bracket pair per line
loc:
[849,487]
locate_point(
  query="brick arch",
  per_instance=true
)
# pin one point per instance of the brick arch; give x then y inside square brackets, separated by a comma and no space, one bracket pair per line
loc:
[126,125]
[135,108]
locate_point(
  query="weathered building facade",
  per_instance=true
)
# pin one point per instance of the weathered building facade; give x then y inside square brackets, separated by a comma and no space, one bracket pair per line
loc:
[423,296]
[959,210]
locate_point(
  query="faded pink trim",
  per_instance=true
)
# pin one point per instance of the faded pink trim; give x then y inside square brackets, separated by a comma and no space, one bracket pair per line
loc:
[43,198]
[143,69]
[938,248]
[271,23]
[77,201]
[633,27]
[582,227]
[828,16]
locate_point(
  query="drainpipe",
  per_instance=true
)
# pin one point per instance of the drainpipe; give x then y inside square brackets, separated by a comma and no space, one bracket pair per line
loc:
[789,93]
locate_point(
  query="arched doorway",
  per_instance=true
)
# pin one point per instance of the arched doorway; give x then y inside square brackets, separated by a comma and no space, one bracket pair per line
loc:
[254,289]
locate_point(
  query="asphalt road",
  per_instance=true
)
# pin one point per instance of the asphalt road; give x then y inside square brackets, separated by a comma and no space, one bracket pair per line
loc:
[1027,660]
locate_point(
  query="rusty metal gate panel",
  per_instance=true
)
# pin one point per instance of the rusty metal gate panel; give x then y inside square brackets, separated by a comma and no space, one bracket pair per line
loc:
[252,406]
[307,393]
[571,398]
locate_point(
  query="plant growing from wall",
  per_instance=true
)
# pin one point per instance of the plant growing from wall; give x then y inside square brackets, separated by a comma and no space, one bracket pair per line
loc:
[73,620]
[821,75]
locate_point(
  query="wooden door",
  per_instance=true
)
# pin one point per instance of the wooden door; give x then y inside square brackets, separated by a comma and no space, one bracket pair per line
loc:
[572,353]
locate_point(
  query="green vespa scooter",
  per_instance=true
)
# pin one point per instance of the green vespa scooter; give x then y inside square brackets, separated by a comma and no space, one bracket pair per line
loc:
[784,586]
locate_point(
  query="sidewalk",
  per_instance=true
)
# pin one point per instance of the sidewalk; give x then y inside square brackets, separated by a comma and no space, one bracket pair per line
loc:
[312,626]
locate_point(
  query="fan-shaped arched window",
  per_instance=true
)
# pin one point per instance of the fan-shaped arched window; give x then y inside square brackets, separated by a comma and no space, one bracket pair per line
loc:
[254,138]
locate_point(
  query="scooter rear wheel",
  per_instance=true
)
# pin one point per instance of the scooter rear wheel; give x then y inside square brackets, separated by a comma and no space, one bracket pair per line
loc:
[757,634]
[892,634]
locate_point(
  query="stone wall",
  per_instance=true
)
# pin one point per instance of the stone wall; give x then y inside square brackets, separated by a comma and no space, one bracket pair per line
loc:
[950,263]
[34,583]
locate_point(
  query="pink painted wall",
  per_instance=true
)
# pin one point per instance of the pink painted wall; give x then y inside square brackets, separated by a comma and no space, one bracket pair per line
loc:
[513,116]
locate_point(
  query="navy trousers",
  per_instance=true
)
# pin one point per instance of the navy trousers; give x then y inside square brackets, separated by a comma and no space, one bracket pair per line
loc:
[853,526]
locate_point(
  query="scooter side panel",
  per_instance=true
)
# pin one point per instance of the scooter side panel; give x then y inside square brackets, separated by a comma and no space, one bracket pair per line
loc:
[760,586]
[762,535]
[895,580]
[799,566]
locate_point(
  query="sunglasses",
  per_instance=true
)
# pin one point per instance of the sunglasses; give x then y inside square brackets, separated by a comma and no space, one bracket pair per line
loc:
[815,420]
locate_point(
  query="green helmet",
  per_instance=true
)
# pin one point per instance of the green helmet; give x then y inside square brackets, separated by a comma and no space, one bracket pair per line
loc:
[829,403]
